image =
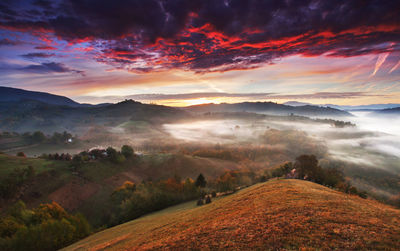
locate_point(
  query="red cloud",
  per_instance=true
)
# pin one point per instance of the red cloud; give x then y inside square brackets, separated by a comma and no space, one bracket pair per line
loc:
[216,35]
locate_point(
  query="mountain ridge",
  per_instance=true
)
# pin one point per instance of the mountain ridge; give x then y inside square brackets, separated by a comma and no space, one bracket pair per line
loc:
[348,107]
[9,94]
[395,110]
[269,108]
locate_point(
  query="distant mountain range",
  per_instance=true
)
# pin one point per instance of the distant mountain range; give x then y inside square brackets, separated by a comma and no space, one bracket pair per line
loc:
[389,111]
[269,108]
[22,110]
[348,107]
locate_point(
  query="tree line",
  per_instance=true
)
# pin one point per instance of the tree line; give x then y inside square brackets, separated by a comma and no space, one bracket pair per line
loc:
[47,227]
[38,137]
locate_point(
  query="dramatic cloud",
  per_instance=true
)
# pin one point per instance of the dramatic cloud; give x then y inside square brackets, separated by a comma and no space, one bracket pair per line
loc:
[38,55]
[45,47]
[49,68]
[210,35]
[7,42]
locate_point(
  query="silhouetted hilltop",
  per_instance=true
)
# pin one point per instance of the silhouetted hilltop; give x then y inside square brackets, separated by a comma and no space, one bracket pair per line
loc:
[269,108]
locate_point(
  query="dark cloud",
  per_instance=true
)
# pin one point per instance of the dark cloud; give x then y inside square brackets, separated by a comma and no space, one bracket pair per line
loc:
[212,35]
[51,67]
[45,47]
[38,55]
[7,42]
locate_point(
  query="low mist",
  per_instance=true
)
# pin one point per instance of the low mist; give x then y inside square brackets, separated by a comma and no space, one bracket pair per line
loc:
[373,141]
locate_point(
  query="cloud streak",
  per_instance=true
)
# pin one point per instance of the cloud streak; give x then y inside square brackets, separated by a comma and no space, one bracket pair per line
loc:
[51,67]
[395,67]
[9,42]
[379,62]
[247,96]
[38,55]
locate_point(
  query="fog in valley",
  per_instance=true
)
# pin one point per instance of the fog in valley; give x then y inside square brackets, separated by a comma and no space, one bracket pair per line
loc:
[370,143]
[373,141]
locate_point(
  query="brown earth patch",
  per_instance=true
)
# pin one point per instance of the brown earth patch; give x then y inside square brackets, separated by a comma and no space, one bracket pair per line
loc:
[74,193]
[119,179]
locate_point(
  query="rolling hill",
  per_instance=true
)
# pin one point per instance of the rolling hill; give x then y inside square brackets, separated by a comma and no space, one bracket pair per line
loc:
[8,94]
[31,115]
[92,186]
[269,108]
[278,214]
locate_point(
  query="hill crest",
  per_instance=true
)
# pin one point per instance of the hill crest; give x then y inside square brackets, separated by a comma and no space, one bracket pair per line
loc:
[279,214]
[8,94]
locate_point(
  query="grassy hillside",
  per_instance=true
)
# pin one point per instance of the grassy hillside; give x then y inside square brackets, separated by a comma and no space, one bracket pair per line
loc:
[288,214]
[9,163]
[92,185]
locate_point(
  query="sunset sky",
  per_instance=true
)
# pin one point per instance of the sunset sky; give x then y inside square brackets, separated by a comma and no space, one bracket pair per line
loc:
[185,52]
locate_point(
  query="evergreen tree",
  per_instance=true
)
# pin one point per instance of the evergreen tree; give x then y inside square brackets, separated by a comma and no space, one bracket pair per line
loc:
[201,181]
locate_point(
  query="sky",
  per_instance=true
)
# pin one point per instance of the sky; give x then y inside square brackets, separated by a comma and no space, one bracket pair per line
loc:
[187,52]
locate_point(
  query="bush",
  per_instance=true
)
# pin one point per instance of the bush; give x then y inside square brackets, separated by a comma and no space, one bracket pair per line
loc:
[21,154]
[200,202]
[114,155]
[263,178]
[38,137]
[127,151]
[77,161]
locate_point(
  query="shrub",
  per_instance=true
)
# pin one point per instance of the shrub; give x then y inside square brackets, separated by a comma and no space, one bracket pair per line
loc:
[200,202]
[127,151]
[114,155]
[38,137]
[21,154]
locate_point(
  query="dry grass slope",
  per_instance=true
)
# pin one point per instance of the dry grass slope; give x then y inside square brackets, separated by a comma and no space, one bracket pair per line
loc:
[279,214]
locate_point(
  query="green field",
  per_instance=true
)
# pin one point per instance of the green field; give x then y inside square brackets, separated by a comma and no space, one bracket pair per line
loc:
[8,163]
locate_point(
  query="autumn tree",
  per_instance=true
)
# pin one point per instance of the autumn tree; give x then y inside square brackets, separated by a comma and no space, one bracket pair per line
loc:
[308,168]
[47,227]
